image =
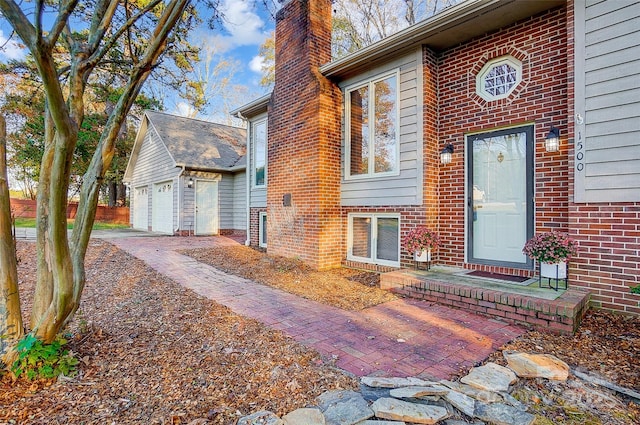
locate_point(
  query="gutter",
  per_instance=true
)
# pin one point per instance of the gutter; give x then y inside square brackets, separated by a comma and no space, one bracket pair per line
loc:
[250,108]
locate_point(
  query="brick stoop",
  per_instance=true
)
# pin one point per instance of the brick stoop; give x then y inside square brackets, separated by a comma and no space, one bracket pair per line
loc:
[561,315]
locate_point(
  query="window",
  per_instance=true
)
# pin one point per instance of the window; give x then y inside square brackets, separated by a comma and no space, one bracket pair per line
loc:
[262,230]
[498,78]
[372,128]
[374,238]
[259,135]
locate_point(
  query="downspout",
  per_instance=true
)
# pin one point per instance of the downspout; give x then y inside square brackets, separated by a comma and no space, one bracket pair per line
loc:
[247,176]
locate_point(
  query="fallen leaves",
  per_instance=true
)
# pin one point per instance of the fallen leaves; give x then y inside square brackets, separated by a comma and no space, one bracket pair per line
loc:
[347,289]
[153,352]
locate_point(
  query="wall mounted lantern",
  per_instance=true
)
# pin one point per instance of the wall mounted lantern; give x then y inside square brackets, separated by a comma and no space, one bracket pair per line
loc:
[552,142]
[446,154]
[190,183]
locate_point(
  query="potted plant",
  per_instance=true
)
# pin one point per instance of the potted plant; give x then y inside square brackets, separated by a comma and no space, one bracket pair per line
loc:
[421,241]
[552,250]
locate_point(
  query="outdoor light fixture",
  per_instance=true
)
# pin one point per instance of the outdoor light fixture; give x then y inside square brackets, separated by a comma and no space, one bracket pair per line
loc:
[552,142]
[190,183]
[446,154]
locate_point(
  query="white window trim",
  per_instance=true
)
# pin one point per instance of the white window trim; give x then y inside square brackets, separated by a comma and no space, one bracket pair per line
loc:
[510,60]
[254,154]
[347,124]
[374,238]
[261,230]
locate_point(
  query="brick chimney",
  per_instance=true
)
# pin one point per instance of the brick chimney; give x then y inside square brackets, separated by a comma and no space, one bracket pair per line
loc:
[303,182]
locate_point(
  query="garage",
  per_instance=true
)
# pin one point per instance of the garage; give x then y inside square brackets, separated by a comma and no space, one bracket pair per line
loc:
[141,208]
[162,212]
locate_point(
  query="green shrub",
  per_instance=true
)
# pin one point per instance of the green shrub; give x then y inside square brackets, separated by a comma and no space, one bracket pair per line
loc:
[635,289]
[38,360]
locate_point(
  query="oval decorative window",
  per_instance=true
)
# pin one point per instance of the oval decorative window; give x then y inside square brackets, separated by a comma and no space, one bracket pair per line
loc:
[498,78]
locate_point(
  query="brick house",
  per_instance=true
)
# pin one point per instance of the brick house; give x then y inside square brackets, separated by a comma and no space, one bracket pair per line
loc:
[344,156]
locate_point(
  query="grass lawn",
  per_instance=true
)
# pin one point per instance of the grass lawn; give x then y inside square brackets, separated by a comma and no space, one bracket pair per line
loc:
[31,223]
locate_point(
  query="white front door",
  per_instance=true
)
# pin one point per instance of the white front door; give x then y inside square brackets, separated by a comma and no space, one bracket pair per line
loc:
[141,208]
[206,207]
[162,208]
[499,196]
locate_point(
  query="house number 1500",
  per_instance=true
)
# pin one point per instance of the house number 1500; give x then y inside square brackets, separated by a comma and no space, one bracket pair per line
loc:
[579,153]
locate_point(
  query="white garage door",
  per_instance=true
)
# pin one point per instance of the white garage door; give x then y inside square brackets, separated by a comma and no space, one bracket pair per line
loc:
[141,208]
[162,208]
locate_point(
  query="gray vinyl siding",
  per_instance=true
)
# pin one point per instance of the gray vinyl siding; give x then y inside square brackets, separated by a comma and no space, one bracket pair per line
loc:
[240,201]
[404,188]
[225,199]
[155,165]
[188,205]
[608,97]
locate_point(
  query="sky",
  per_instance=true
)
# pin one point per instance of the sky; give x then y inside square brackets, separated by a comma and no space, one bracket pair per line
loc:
[245,27]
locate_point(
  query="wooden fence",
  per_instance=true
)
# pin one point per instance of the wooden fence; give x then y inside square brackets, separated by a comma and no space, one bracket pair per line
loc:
[27,208]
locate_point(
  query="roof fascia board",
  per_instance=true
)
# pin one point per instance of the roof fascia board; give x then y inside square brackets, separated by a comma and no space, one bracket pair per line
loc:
[252,108]
[135,151]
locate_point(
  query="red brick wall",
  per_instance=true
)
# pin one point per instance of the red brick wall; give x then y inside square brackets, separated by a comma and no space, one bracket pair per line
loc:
[541,98]
[608,261]
[304,139]
[254,225]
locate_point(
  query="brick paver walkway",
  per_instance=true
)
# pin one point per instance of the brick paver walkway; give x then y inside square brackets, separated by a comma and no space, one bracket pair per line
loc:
[400,338]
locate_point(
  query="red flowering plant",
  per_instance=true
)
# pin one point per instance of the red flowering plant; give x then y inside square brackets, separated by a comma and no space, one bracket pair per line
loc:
[551,247]
[421,238]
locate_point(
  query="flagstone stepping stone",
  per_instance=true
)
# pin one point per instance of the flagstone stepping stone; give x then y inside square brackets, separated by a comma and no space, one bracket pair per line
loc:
[514,402]
[344,407]
[263,417]
[305,416]
[490,377]
[462,402]
[415,392]
[399,410]
[546,366]
[379,382]
[481,395]
[502,414]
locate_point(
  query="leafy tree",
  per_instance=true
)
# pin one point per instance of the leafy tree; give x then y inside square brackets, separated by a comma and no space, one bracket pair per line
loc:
[130,37]
[358,23]
[24,103]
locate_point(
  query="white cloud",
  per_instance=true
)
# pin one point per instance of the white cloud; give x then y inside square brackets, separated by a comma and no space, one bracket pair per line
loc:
[243,25]
[256,64]
[183,109]
[11,49]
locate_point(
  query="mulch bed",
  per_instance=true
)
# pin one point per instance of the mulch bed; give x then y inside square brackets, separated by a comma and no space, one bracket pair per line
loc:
[347,289]
[153,352]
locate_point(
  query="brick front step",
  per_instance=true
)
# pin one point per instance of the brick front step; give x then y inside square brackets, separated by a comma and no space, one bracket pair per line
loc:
[559,315]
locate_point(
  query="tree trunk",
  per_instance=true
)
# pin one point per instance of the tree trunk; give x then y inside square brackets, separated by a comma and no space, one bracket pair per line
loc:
[113,195]
[122,195]
[11,328]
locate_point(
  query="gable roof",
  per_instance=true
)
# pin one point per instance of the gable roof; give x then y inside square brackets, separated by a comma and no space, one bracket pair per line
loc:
[193,144]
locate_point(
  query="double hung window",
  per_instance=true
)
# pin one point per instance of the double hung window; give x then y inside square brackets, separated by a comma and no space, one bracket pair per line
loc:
[374,238]
[372,128]
[259,135]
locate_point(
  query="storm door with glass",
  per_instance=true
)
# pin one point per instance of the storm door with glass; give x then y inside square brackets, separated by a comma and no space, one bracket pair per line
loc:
[499,196]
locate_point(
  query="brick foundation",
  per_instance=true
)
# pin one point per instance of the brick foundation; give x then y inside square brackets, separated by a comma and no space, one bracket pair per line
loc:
[561,316]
